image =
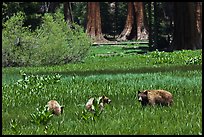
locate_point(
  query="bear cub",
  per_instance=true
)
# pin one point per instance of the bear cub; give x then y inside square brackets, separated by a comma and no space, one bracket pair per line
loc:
[100,100]
[54,107]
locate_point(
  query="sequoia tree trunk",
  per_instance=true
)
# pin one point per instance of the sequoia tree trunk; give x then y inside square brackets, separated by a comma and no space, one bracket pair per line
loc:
[142,33]
[135,27]
[186,34]
[93,28]
[128,25]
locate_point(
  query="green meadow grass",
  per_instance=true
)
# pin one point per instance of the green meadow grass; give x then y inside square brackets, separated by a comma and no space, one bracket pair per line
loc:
[96,77]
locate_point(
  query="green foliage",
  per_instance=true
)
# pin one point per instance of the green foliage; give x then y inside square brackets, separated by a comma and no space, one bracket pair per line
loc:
[125,115]
[59,44]
[9,8]
[93,115]
[29,8]
[79,10]
[17,42]
[119,78]
[183,56]
[41,117]
[195,60]
[35,83]
[15,126]
[52,43]
[161,57]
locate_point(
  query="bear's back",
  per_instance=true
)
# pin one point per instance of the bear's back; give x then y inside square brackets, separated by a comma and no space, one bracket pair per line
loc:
[160,97]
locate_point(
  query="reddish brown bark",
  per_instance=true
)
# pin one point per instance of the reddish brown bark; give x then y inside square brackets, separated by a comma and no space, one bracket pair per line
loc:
[135,27]
[128,25]
[93,28]
[140,18]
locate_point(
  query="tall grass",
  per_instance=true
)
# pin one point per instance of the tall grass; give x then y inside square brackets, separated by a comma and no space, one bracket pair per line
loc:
[118,77]
[123,116]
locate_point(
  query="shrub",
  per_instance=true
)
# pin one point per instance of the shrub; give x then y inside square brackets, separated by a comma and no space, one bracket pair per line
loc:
[161,57]
[41,118]
[36,82]
[60,44]
[182,57]
[194,60]
[53,43]
[17,42]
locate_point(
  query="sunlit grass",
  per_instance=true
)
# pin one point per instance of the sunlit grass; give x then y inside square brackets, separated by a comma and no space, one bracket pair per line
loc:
[119,78]
[124,116]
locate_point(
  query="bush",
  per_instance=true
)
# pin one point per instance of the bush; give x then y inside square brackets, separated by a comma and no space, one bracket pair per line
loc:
[182,57]
[58,43]
[161,57]
[194,60]
[53,43]
[17,42]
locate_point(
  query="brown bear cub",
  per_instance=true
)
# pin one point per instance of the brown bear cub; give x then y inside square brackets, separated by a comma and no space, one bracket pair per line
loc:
[155,97]
[54,107]
[101,101]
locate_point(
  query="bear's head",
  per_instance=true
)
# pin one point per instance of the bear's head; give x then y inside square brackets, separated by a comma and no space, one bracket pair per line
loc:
[143,97]
[58,110]
[105,100]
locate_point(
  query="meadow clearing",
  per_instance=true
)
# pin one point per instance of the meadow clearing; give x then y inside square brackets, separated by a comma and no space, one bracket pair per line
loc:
[117,73]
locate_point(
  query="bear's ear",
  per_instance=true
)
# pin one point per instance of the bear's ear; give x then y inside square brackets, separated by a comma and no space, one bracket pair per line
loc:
[46,107]
[145,92]
[62,109]
[103,96]
[138,92]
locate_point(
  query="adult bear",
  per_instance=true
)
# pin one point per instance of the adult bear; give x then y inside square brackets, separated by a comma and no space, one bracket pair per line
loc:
[155,97]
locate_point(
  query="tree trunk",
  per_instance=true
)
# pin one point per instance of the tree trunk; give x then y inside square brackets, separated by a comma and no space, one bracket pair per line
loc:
[93,28]
[186,34]
[140,18]
[156,26]
[150,26]
[128,25]
[135,23]
[199,17]
[68,12]
[53,6]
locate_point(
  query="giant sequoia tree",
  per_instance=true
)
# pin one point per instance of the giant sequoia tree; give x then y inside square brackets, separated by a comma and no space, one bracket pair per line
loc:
[186,32]
[142,33]
[93,27]
[126,33]
[135,27]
